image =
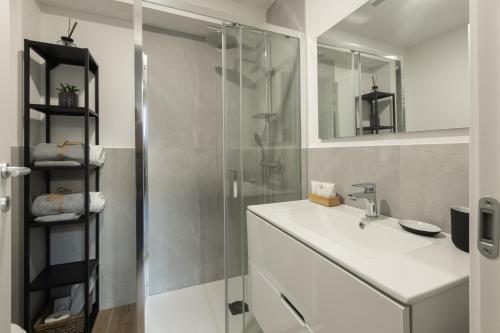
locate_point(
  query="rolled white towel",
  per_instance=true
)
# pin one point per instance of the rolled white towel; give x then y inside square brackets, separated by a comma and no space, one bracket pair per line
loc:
[97,202]
[58,217]
[97,155]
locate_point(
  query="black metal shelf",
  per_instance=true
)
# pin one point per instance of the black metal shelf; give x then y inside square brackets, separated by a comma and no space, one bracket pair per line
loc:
[81,220]
[56,110]
[58,54]
[374,95]
[368,128]
[34,167]
[373,98]
[62,275]
[77,272]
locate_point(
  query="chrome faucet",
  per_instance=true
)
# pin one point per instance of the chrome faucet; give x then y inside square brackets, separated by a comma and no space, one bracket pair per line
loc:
[370,195]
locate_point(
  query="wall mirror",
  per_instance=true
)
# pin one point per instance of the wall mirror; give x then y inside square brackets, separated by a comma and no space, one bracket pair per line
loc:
[395,66]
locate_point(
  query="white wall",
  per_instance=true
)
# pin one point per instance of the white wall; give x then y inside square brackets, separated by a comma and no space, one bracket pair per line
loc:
[112,48]
[8,134]
[321,15]
[25,19]
[431,101]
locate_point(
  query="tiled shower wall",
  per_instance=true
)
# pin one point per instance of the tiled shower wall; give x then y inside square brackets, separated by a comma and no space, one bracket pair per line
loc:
[417,182]
[186,230]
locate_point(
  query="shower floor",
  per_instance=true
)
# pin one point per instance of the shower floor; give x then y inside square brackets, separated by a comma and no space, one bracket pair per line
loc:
[196,309]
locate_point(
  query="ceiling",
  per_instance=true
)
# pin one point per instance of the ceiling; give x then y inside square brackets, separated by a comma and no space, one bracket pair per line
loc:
[263,4]
[341,57]
[121,10]
[168,21]
[406,22]
[108,8]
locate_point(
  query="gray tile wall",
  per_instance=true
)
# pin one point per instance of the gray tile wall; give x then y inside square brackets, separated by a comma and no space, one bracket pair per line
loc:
[417,182]
[117,232]
[186,230]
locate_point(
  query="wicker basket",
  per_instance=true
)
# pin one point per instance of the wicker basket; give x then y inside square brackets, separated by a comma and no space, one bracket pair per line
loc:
[73,324]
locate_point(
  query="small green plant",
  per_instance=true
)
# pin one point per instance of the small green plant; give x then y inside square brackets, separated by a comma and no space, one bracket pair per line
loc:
[68,88]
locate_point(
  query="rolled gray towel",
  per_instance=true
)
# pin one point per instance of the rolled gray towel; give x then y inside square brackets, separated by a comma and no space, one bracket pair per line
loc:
[52,204]
[68,151]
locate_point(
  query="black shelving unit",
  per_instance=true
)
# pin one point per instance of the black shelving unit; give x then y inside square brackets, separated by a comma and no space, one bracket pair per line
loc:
[373,99]
[53,276]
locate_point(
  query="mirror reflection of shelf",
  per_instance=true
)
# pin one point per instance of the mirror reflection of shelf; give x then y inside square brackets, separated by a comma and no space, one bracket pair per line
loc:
[373,98]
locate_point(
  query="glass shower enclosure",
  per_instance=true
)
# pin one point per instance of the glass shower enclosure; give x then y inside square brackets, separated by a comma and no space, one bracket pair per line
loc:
[218,129]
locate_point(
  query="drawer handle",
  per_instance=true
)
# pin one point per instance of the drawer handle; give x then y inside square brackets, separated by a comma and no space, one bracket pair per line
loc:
[293,308]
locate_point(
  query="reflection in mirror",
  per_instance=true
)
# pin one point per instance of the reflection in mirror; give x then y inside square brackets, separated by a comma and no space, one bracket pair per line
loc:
[395,66]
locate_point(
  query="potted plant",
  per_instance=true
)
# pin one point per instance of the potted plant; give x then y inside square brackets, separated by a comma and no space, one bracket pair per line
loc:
[67,95]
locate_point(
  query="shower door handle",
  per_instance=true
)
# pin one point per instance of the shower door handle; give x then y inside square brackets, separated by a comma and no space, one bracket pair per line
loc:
[234,185]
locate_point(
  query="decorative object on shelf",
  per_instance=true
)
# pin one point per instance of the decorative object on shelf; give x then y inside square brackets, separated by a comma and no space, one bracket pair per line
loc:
[374,82]
[68,95]
[67,40]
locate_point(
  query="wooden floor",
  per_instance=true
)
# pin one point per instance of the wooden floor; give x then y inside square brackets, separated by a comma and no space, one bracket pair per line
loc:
[116,320]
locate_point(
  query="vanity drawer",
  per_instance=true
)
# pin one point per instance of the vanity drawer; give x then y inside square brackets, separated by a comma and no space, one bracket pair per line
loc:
[329,298]
[270,309]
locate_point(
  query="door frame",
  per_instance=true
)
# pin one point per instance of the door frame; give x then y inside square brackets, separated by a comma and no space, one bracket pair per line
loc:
[484,157]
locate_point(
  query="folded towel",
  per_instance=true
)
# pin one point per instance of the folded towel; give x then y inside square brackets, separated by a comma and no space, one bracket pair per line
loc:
[57,164]
[58,217]
[53,204]
[61,315]
[62,304]
[68,151]
[77,300]
[77,292]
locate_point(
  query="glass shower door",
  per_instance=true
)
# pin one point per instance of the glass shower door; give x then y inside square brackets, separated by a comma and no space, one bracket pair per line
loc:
[262,145]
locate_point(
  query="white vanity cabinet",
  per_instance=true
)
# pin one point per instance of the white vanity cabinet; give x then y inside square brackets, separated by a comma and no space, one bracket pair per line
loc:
[295,289]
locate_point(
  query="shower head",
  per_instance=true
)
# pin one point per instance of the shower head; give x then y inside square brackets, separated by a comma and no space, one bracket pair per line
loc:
[258,140]
[234,77]
[214,38]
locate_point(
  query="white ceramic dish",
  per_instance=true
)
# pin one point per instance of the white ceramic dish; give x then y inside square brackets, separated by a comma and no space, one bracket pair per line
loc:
[419,227]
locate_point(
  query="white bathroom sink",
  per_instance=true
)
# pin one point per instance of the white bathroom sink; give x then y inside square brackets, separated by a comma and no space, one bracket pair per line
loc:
[406,266]
[342,225]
